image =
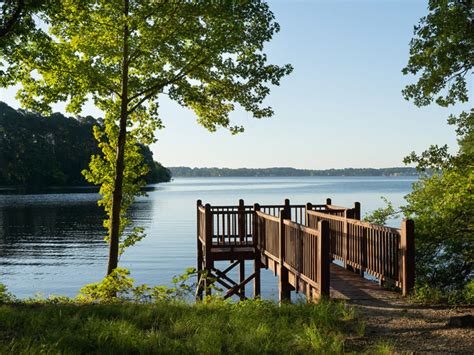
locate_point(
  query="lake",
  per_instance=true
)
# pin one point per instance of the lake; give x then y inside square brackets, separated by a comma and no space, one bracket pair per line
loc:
[52,243]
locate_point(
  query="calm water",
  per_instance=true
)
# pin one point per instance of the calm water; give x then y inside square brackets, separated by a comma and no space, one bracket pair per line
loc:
[53,242]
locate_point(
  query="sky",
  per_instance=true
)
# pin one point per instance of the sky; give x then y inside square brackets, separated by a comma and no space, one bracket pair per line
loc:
[341,107]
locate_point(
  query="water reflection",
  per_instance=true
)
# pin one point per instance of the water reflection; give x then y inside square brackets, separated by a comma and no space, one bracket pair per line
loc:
[54,242]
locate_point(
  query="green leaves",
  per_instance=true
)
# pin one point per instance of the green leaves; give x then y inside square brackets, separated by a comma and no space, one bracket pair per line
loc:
[441,206]
[206,56]
[381,215]
[102,172]
[442,54]
[119,287]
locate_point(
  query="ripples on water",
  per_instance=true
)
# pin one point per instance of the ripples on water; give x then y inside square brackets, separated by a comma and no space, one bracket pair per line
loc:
[53,242]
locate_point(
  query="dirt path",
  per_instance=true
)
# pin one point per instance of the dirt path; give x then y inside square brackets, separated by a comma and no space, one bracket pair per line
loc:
[412,328]
[395,320]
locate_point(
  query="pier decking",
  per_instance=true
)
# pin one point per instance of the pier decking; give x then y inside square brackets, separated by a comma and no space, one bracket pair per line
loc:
[300,243]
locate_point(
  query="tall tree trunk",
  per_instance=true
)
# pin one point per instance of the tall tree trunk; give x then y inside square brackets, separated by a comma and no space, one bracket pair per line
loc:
[114,229]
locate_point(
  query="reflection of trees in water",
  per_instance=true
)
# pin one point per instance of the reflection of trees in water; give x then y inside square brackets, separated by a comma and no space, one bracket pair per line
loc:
[55,231]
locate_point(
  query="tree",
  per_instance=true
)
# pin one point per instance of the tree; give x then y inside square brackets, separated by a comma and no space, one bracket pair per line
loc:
[11,13]
[442,52]
[441,204]
[125,54]
[38,151]
[16,17]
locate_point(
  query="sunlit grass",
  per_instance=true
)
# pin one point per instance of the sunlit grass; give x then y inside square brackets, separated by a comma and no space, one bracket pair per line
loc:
[218,327]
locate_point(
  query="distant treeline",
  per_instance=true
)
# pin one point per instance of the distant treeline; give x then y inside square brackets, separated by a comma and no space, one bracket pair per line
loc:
[182,171]
[37,151]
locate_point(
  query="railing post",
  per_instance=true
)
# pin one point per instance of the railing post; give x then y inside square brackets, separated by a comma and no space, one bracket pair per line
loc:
[255,231]
[407,242]
[363,262]
[357,211]
[208,238]
[364,240]
[199,251]
[288,207]
[308,207]
[241,221]
[323,276]
[283,283]
[346,242]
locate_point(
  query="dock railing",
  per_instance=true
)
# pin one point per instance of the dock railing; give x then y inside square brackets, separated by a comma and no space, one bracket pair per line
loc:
[298,254]
[298,243]
[386,253]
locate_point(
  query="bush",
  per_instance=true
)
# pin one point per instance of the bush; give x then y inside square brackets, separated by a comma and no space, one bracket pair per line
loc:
[118,287]
[5,296]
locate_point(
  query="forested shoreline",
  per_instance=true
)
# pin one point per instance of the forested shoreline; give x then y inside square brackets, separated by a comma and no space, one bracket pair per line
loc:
[182,171]
[39,151]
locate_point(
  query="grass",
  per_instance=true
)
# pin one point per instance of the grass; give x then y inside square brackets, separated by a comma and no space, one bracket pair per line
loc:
[218,327]
[382,347]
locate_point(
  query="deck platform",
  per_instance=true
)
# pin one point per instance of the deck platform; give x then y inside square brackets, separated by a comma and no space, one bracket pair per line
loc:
[303,245]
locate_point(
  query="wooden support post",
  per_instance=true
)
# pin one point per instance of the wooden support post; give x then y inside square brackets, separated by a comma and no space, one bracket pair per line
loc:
[408,256]
[323,275]
[208,256]
[284,290]
[242,279]
[308,207]
[328,201]
[256,280]
[199,252]
[256,243]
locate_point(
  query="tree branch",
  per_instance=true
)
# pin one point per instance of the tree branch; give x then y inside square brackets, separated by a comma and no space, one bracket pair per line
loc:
[7,28]
[154,89]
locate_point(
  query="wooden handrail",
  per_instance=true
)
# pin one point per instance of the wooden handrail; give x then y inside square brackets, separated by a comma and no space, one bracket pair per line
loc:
[302,228]
[326,215]
[355,222]
[300,233]
[267,216]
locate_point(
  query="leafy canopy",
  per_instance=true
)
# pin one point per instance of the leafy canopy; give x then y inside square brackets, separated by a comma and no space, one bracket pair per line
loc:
[207,56]
[16,18]
[442,53]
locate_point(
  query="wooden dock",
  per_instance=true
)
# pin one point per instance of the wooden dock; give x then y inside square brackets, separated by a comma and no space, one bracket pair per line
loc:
[300,243]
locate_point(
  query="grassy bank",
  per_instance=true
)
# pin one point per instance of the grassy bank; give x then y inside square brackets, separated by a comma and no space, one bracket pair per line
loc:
[247,327]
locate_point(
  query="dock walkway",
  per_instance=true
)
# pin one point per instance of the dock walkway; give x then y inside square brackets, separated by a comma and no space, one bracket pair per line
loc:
[301,244]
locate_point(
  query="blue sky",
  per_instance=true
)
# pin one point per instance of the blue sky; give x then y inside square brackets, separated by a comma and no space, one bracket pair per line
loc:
[341,107]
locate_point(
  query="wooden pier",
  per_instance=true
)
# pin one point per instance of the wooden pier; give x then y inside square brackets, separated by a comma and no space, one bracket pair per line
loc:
[300,243]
